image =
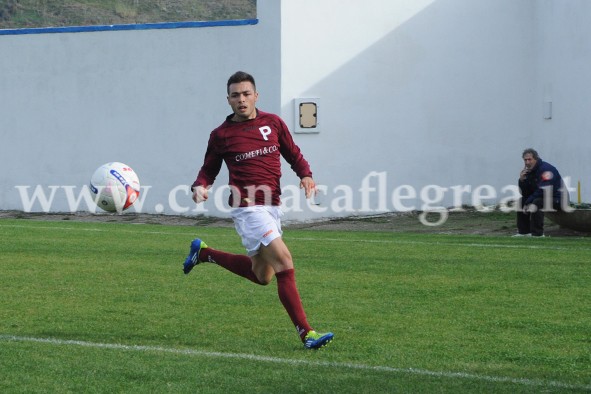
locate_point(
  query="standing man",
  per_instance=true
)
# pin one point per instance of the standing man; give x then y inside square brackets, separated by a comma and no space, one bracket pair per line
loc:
[251,143]
[541,189]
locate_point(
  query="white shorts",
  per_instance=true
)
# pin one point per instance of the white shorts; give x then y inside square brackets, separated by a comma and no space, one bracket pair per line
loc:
[257,225]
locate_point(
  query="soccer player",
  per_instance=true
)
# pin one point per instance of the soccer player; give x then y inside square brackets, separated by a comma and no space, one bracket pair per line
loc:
[251,143]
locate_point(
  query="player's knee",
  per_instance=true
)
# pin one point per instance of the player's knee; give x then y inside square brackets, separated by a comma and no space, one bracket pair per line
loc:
[264,275]
[264,281]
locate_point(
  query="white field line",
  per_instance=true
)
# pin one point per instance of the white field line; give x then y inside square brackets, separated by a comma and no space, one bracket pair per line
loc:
[540,246]
[277,360]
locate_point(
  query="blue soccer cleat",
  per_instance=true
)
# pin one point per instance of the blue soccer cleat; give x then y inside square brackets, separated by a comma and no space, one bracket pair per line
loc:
[314,340]
[193,258]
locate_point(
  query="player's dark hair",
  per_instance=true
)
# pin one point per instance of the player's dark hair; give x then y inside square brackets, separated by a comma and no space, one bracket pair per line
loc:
[240,76]
[532,152]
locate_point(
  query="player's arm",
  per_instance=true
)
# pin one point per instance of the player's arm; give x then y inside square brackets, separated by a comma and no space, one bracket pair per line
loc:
[212,163]
[292,154]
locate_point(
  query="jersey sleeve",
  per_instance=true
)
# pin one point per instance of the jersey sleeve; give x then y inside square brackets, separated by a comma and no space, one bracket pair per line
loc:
[291,152]
[212,163]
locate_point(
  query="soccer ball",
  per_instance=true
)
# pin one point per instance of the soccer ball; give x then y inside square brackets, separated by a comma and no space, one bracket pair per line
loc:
[115,187]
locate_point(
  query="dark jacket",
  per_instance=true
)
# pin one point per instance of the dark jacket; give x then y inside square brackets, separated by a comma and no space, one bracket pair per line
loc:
[543,175]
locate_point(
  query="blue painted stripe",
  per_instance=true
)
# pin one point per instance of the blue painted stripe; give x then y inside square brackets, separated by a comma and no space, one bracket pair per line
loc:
[139,26]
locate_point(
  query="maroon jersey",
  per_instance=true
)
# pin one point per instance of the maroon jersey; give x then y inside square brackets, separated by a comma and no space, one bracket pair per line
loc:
[252,151]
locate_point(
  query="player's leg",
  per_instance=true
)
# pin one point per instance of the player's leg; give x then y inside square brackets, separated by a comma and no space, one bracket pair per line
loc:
[270,259]
[255,227]
[238,264]
[275,257]
[260,230]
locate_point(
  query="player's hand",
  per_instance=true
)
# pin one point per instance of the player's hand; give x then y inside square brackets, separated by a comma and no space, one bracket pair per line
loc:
[309,186]
[200,194]
[523,173]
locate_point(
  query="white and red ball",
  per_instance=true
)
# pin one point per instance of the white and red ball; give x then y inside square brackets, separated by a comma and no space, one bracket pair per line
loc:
[115,187]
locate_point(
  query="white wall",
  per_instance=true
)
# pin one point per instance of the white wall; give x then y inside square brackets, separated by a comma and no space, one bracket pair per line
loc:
[72,101]
[431,92]
[564,78]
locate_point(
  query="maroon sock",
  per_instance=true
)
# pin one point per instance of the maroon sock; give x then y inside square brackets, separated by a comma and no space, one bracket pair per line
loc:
[238,264]
[290,298]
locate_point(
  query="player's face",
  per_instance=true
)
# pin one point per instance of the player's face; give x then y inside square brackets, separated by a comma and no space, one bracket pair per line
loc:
[529,161]
[242,98]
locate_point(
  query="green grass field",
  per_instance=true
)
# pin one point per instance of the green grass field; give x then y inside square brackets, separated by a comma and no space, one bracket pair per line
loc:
[104,307]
